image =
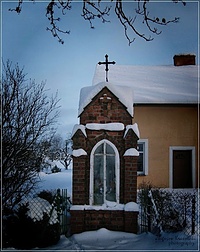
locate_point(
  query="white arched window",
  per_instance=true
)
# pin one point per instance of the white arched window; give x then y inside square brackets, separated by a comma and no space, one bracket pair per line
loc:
[104,173]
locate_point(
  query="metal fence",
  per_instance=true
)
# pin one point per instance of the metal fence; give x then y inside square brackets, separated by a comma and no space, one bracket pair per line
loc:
[42,218]
[55,204]
[168,210]
[63,206]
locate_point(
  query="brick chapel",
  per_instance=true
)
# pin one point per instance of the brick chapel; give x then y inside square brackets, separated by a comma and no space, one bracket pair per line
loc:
[105,160]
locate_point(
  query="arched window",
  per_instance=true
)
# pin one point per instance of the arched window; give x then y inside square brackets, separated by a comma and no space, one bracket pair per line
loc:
[104,173]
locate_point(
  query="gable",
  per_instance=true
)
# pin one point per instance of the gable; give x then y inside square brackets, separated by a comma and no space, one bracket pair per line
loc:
[123,93]
[105,107]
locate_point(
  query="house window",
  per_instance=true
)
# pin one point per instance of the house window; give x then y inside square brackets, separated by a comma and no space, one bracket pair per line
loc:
[142,167]
[104,174]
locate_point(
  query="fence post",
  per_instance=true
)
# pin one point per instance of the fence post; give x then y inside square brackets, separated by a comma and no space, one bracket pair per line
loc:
[193,214]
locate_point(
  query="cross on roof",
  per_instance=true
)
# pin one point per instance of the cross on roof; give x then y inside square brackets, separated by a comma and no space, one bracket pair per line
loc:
[106,63]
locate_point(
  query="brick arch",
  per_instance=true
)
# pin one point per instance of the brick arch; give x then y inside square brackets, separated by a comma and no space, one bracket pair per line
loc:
[91,142]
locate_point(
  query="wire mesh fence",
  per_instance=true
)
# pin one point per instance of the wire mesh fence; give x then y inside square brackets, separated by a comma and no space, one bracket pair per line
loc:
[169,210]
[54,205]
[60,203]
[42,218]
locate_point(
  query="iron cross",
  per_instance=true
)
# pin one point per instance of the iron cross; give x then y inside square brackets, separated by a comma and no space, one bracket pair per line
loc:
[106,63]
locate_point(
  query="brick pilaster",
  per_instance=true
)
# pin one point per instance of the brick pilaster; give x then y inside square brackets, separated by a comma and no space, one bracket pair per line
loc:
[130,180]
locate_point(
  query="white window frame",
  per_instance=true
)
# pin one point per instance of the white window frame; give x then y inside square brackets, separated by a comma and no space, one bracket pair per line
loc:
[117,169]
[171,149]
[145,156]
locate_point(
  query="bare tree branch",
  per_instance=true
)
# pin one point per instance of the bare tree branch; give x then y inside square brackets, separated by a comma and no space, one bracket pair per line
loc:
[50,14]
[28,117]
[92,10]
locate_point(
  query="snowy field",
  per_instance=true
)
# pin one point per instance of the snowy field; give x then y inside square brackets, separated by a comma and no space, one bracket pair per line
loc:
[104,239]
[62,180]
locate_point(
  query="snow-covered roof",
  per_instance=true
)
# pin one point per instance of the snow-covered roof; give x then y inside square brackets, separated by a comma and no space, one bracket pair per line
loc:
[77,127]
[131,152]
[155,84]
[133,127]
[123,93]
[79,152]
[106,126]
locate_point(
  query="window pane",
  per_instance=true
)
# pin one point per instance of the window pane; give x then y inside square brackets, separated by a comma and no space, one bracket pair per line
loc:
[110,178]
[140,147]
[140,163]
[98,180]
[109,149]
[99,150]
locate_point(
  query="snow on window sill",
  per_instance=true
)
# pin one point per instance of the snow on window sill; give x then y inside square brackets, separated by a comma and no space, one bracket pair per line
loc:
[129,207]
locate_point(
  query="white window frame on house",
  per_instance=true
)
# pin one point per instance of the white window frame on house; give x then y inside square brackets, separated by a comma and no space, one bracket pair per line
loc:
[145,152]
[171,149]
[117,171]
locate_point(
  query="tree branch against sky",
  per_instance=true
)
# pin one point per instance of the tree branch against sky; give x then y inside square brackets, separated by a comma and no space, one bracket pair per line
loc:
[28,118]
[92,10]
[70,66]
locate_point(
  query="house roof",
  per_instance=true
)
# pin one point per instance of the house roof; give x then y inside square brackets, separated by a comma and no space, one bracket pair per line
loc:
[155,84]
[123,93]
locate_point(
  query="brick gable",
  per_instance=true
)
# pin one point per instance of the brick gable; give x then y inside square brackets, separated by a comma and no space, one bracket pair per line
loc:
[105,107]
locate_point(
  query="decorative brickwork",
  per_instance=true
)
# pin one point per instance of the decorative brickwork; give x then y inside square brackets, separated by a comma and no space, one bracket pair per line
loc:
[104,108]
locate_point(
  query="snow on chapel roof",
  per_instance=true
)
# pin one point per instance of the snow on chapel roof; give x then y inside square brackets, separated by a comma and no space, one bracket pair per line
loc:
[155,84]
[123,93]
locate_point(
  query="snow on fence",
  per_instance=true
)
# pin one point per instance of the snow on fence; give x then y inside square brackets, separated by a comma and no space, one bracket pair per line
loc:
[168,210]
[55,204]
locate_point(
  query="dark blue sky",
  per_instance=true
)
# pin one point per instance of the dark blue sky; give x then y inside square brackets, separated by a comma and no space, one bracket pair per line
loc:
[69,67]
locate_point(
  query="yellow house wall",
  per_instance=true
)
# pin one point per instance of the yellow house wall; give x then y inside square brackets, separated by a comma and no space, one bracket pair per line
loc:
[165,126]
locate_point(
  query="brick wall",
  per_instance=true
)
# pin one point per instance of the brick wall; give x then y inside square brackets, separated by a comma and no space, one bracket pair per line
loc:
[79,185]
[85,220]
[130,179]
[81,166]
[104,108]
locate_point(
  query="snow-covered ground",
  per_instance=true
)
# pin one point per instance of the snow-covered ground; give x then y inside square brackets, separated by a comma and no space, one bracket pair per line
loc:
[104,239]
[62,180]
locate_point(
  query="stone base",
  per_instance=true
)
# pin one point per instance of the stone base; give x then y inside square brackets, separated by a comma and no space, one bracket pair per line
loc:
[116,220]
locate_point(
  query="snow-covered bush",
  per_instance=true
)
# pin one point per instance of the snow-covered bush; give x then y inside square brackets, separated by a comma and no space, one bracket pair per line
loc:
[160,208]
[47,195]
[171,219]
[33,224]
[143,192]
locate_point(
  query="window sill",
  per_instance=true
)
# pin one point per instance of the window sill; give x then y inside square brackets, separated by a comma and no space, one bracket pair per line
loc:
[141,174]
